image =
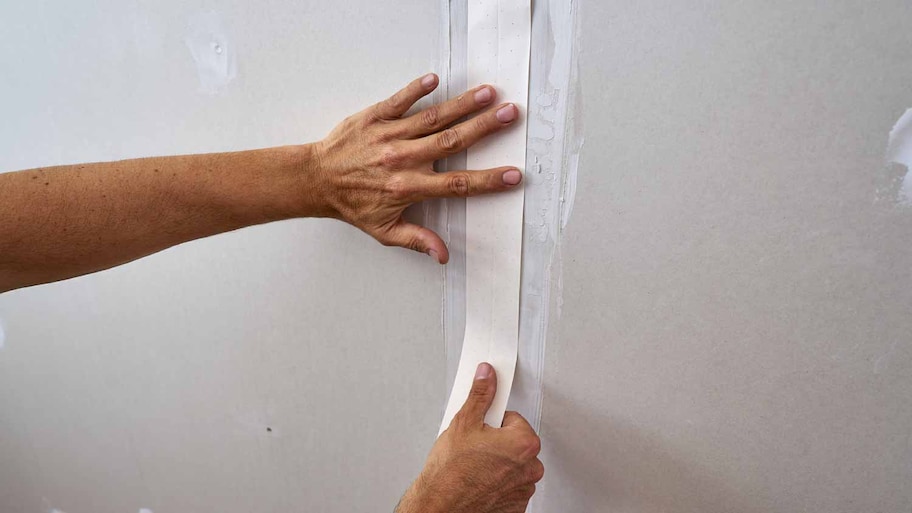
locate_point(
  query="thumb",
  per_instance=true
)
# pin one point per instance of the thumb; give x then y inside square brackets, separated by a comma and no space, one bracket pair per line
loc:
[481,396]
[417,238]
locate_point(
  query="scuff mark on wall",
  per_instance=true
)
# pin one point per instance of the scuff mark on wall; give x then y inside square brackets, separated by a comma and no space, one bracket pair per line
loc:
[212,51]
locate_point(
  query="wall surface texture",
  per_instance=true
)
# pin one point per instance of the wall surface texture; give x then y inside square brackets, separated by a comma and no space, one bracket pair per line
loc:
[736,327]
[156,385]
[730,312]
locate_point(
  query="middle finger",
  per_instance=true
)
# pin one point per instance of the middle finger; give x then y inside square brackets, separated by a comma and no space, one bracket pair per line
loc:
[437,117]
[454,140]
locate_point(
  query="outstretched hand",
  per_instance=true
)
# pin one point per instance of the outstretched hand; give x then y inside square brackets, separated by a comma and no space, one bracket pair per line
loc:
[474,468]
[378,162]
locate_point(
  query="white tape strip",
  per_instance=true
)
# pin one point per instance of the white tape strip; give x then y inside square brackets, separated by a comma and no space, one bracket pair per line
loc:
[498,54]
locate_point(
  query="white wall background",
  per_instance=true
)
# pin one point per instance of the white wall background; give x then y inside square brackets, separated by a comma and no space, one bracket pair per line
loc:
[734,329]
[153,385]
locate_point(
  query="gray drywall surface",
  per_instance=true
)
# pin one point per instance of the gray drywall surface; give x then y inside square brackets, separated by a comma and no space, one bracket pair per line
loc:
[735,333]
[730,328]
[297,366]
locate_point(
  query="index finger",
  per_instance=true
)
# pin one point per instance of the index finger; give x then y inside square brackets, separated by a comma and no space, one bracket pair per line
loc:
[514,420]
[398,104]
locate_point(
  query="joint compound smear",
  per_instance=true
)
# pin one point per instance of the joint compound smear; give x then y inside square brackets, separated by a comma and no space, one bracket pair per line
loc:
[214,54]
[899,151]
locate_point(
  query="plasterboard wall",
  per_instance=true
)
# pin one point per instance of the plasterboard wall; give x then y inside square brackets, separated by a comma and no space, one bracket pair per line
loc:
[735,331]
[291,367]
[730,311]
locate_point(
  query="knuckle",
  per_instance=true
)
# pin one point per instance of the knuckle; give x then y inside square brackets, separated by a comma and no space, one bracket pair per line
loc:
[358,121]
[414,244]
[537,472]
[528,491]
[398,188]
[390,156]
[482,124]
[461,102]
[530,444]
[430,117]
[385,240]
[374,114]
[478,391]
[458,184]
[449,141]
[395,102]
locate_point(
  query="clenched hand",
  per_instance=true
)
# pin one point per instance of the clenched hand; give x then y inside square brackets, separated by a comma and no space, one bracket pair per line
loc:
[380,161]
[474,468]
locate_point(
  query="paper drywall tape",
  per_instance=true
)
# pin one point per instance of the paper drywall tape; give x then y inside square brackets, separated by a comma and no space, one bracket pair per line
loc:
[498,54]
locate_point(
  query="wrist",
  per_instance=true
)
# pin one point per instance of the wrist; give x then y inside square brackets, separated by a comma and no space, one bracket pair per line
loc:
[296,191]
[418,500]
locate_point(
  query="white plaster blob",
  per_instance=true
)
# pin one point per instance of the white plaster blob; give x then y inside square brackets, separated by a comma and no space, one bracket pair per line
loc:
[899,150]
[145,510]
[214,54]
[2,336]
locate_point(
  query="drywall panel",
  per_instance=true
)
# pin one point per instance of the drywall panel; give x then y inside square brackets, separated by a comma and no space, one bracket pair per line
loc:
[735,329]
[291,367]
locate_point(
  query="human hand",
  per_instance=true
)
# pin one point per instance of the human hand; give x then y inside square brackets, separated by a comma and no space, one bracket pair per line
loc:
[474,468]
[375,164]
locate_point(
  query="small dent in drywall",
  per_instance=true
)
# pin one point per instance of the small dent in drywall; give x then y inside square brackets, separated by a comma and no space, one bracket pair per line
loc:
[212,51]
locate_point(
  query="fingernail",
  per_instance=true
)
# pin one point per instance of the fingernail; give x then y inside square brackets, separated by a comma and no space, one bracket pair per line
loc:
[483,96]
[483,371]
[433,254]
[512,177]
[506,113]
[428,80]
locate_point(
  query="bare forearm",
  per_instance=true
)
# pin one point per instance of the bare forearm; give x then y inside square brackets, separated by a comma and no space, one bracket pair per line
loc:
[65,221]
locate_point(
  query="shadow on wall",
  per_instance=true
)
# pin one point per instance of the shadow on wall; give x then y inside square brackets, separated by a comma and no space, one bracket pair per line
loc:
[598,464]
